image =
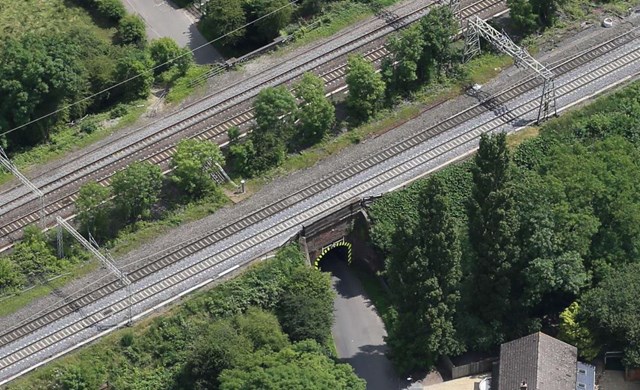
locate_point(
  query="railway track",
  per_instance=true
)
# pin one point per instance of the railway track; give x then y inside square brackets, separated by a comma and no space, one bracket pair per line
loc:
[210,124]
[219,248]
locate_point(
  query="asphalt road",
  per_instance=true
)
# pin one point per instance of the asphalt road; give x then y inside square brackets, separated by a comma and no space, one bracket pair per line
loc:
[358,331]
[164,19]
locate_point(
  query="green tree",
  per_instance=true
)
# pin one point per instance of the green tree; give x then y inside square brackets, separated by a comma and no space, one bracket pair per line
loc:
[612,309]
[241,157]
[306,306]
[492,228]
[603,179]
[316,114]
[218,348]
[10,276]
[111,9]
[574,331]
[193,163]
[522,15]
[136,68]
[93,208]
[136,189]
[301,366]
[438,26]
[366,88]
[38,74]
[223,20]
[262,328]
[424,277]
[406,51]
[528,14]
[34,255]
[275,112]
[269,27]
[166,54]
[132,31]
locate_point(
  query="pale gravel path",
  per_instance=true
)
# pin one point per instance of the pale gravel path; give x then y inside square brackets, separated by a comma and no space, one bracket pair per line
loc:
[165,19]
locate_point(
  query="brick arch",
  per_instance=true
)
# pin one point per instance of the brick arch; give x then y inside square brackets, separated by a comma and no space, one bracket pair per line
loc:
[340,243]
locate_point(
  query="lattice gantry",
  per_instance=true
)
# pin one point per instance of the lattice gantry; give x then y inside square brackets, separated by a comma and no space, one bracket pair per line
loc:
[477,28]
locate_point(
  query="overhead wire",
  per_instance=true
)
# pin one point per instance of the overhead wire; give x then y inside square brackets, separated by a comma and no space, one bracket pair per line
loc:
[65,107]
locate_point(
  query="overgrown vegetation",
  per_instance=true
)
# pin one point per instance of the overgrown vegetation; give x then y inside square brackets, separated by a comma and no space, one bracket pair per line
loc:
[239,335]
[239,26]
[546,237]
[61,70]
[138,199]
[286,127]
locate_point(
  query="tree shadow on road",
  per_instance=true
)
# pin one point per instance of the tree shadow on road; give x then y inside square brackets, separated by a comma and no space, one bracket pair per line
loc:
[371,364]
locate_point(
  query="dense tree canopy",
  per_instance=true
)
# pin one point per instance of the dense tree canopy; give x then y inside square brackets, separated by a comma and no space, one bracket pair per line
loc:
[424,277]
[193,163]
[306,307]
[223,21]
[613,309]
[136,189]
[268,27]
[542,228]
[39,74]
[366,88]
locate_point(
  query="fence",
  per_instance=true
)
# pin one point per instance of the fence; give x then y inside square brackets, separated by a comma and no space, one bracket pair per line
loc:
[468,369]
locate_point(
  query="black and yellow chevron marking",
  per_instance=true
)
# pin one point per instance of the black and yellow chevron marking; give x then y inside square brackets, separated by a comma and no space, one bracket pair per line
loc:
[336,244]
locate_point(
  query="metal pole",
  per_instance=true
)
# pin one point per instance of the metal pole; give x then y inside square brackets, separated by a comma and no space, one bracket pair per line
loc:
[4,161]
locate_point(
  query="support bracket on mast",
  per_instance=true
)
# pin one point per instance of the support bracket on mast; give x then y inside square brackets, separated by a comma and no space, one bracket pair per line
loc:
[4,161]
[92,246]
[477,28]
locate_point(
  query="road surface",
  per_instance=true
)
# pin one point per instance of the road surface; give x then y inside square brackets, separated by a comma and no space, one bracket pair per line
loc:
[358,331]
[164,19]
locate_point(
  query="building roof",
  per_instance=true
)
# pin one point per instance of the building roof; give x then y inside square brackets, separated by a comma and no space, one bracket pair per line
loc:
[543,362]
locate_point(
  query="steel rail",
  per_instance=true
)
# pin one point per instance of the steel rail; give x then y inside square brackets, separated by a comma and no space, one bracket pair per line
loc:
[348,194]
[64,202]
[173,255]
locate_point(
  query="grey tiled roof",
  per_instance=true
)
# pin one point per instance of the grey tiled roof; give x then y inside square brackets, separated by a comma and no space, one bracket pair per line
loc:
[542,361]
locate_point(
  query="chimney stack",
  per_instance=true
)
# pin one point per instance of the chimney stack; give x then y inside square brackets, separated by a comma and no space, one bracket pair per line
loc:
[523,385]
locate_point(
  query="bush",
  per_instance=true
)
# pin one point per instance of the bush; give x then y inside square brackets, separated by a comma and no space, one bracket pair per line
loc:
[111,9]
[118,111]
[89,126]
[132,31]
[166,54]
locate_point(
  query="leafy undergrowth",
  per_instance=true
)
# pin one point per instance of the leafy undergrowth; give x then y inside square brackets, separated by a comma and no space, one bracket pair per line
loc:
[186,85]
[219,336]
[339,15]
[76,137]
[12,303]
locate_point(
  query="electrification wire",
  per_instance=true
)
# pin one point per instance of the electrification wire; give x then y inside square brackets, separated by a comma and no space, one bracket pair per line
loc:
[143,73]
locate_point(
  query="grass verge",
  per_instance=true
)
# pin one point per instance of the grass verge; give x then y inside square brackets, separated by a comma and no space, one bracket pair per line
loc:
[185,85]
[72,138]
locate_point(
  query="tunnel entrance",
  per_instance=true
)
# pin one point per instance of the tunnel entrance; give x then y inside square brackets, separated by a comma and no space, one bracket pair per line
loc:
[337,251]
